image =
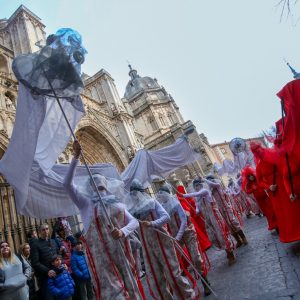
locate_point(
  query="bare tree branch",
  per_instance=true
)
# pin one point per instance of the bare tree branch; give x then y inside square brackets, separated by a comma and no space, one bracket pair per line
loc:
[286,7]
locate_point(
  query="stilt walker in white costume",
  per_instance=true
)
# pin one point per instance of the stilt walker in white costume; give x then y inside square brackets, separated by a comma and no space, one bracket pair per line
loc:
[231,216]
[161,262]
[111,277]
[244,203]
[215,224]
[183,231]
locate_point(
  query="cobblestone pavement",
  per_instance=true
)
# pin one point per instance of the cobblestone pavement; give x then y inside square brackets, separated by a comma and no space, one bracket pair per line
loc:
[265,269]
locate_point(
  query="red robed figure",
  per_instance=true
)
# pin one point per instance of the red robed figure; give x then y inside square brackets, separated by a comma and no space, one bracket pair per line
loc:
[287,211]
[188,205]
[260,194]
[290,95]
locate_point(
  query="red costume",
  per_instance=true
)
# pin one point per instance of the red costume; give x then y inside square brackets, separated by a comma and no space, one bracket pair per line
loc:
[189,206]
[287,211]
[290,136]
[290,97]
[261,195]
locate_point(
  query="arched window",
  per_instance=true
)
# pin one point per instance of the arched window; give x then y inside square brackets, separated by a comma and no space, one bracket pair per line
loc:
[162,121]
[152,123]
[3,64]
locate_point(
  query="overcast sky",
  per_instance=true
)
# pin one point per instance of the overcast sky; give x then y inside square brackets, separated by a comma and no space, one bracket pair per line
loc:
[222,61]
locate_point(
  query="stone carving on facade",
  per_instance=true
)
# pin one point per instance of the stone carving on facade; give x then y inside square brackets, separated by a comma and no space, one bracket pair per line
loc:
[114,109]
[3,132]
[9,104]
[121,108]
[130,152]
[66,155]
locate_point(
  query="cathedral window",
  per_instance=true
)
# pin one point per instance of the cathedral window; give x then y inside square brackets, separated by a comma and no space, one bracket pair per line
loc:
[3,64]
[171,118]
[152,123]
[162,121]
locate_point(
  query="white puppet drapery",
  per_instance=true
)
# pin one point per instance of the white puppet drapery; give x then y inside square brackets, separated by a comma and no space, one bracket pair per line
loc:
[162,162]
[39,136]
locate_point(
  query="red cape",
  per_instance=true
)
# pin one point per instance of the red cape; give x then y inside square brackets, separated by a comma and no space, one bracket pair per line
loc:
[188,205]
[290,94]
[287,212]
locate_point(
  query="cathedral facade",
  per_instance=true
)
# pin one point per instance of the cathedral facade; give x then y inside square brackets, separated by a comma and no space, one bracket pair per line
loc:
[113,128]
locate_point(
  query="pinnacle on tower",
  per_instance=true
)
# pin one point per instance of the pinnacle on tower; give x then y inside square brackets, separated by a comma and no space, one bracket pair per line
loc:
[132,73]
[295,73]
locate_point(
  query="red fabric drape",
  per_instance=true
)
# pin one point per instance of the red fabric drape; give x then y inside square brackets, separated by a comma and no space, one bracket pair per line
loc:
[287,212]
[290,94]
[188,205]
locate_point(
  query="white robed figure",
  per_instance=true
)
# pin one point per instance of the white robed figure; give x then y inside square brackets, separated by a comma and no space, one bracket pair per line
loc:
[230,214]
[109,273]
[215,224]
[183,231]
[161,262]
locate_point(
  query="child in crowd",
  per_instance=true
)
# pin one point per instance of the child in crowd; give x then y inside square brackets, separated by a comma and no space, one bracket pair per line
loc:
[81,273]
[62,285]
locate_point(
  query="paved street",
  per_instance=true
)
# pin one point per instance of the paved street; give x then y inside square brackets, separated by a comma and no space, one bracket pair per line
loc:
[265,270]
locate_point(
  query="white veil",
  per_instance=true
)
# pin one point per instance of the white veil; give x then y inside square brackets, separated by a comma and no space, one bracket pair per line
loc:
[168,202]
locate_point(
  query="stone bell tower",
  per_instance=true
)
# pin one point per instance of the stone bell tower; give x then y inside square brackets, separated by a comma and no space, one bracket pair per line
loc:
[154,110]
[158,118]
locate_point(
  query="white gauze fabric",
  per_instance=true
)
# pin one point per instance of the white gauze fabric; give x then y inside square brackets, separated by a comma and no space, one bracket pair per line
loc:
[160,162]
[40,134]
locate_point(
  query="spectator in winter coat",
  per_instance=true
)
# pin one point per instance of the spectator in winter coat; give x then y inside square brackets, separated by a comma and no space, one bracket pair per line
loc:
[14,286]
[61,286]
[81,273]
[42,252]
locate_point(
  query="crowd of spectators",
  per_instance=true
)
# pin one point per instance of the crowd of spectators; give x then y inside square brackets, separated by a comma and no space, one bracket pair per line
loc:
[47,267]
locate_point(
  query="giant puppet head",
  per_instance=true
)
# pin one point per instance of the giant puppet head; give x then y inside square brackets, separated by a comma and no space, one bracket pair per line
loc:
[55,70]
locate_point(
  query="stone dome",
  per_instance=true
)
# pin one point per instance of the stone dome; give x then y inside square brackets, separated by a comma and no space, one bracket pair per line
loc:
[138,84]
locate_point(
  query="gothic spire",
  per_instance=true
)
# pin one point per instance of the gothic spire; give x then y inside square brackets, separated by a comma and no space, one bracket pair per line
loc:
[295,73]
[132,73]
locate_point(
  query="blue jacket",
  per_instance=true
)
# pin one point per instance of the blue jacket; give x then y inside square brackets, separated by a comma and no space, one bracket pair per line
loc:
[79,266]
[62,285]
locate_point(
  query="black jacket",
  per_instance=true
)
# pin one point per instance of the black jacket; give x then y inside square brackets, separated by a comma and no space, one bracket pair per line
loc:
[41,253]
